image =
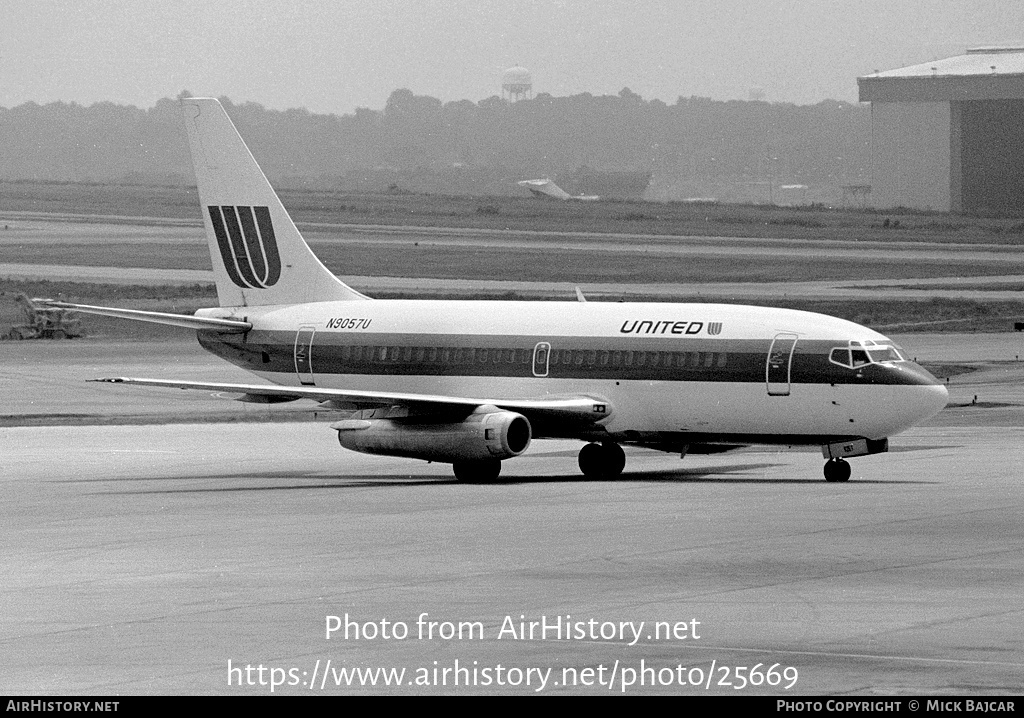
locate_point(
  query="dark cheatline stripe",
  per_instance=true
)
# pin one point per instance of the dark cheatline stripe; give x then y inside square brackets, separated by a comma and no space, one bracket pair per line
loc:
[747,366]
[238,246]
[225,248]
[269,245]
[252,243]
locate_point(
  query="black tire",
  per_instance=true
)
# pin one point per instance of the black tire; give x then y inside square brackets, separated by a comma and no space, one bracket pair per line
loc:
[837,470]
[602,461]
[616,459]
[590,460]
[477,472]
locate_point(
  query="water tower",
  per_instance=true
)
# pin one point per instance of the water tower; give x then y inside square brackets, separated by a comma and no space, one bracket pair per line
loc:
[516,84]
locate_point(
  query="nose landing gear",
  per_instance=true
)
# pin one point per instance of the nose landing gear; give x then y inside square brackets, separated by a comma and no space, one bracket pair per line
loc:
[837,470]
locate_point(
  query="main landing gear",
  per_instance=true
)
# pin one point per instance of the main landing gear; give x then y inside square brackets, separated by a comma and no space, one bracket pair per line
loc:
[477,472]
[837,470]
[602,461]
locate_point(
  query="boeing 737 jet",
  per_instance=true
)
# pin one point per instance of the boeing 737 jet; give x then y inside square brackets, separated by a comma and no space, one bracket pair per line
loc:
[472,383]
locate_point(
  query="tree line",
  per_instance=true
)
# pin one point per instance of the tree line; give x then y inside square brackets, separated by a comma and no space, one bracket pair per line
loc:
[419,143]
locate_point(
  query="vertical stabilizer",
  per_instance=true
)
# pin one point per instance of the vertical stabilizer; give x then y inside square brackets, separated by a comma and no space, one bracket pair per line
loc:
[259,257]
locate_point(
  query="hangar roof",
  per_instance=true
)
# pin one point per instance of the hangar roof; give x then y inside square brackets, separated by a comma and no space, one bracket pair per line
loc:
[984,73]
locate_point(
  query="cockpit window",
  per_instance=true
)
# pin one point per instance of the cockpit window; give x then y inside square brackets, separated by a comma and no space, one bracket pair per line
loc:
[861,353]
[840,356]
[882,354]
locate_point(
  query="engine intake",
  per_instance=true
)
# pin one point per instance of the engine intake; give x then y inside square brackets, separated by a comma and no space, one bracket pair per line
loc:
[487,433]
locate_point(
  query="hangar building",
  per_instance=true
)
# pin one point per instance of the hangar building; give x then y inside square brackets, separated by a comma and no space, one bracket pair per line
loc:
[949,135]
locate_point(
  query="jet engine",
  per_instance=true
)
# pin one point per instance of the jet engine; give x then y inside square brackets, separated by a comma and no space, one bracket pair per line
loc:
[488,433]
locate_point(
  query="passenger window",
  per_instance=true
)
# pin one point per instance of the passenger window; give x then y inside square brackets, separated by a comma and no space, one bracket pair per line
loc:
[709,360]
[723,359]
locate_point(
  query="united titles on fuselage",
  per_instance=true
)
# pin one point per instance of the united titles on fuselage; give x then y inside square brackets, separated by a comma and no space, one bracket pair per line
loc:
[661,326]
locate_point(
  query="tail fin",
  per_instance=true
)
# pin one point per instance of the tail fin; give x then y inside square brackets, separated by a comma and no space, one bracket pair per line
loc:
[259,257]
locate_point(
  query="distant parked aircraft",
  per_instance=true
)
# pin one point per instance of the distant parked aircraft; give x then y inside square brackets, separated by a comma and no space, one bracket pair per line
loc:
[547,188]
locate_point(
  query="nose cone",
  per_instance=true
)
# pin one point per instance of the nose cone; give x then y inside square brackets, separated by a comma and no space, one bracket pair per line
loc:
[927,395]
[933,400]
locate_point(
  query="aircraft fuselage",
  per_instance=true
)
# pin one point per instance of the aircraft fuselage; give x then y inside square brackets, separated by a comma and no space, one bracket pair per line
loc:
[675,373]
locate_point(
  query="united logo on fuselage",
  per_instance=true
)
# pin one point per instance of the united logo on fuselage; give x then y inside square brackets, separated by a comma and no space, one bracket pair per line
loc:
[248,248]
[661,326]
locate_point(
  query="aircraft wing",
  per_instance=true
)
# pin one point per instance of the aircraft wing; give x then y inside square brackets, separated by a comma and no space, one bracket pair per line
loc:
[576,409]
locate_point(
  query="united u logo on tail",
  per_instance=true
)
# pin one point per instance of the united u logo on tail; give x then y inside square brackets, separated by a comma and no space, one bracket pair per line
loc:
[247,244]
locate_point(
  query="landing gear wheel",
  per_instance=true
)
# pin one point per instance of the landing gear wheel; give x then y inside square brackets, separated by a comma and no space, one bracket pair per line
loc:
[616,460]
[602,461]
[477,472]
[837,470]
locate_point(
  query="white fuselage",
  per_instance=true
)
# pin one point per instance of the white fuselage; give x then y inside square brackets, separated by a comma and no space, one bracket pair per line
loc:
[714,372]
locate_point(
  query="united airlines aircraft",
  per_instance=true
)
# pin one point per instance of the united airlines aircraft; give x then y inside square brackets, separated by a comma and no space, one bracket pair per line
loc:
[472,383]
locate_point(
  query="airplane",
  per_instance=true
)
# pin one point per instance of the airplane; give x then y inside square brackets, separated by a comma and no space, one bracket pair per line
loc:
[473,383]
[546,189]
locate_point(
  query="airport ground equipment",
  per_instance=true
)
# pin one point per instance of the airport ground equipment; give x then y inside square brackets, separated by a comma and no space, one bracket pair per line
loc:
[42,322]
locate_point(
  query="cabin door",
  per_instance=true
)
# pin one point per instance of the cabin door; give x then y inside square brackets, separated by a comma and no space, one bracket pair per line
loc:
[541,356]
[304,355]
[780,364]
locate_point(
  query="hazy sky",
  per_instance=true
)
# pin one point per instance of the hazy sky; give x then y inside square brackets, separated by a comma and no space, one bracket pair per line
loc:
[336,56]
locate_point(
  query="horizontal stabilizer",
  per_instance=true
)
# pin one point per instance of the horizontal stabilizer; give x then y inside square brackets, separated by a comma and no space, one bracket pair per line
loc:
[230,326]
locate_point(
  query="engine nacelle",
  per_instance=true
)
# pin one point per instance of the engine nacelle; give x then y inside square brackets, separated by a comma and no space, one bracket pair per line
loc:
[487,433]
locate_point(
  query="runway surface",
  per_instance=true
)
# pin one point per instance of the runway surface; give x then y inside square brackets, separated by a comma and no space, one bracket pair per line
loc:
[207,558]
[144,558]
